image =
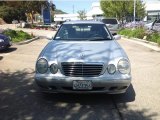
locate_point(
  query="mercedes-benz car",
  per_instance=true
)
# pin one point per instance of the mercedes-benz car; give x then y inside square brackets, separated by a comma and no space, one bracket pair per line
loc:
[83,57]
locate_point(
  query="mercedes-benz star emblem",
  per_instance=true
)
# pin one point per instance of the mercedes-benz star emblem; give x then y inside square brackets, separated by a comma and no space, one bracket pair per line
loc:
[82,56]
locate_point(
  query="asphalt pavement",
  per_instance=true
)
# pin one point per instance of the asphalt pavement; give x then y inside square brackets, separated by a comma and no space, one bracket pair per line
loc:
[21,100]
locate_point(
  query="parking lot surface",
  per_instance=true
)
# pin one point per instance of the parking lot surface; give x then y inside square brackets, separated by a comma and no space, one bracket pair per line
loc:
[21,100]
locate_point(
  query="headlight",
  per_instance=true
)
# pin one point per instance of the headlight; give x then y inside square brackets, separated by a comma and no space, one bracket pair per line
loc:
[1,40]
[123,66]
[111,68]
[54,68]
[42,66]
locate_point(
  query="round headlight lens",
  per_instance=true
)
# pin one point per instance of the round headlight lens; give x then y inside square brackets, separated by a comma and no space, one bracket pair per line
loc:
[123,66]
[42,66]
[111,68]
[1,40]
[54,68]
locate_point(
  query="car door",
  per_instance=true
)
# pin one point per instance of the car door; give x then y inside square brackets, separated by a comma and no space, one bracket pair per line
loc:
[156,26]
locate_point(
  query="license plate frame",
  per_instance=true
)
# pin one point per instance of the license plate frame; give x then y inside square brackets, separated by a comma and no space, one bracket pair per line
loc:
[82,85]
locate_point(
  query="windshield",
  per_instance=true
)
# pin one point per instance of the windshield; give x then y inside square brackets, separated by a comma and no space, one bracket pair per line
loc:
[109,21]
[81,32]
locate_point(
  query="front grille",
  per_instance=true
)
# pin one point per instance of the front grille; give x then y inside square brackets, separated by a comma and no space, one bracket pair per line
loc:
[81,69]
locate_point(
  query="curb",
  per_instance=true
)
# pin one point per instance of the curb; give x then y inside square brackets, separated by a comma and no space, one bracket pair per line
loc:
[151,45]
[145,41]
[141,40]
[26,41]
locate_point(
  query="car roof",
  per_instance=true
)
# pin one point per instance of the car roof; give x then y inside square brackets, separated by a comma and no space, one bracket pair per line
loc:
[83,22]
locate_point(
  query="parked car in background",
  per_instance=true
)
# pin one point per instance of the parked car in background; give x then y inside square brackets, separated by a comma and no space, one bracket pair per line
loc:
[5,42]
[83,57]
[153,25]
[148,26]
[112,24]
[156,25]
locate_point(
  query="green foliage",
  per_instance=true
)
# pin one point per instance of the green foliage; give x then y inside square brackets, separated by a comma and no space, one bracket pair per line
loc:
[122,9]
[136,33]
[140,33]
[57,11]
[10,13]
[125,32]
[17,36]
[82,14]
[16,10]
[154,37]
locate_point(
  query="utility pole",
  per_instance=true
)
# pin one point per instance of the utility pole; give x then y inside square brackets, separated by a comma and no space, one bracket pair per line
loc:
[134,11]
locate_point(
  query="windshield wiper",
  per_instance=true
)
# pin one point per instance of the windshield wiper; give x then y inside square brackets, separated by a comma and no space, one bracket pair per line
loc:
[97,39]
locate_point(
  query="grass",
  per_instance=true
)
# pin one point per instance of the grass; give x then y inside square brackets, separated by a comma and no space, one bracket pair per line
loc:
[154,37]
[17,36]
[140,33]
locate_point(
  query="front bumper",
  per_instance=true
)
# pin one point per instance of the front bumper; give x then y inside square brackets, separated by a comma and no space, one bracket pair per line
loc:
[101,84]
[5,45]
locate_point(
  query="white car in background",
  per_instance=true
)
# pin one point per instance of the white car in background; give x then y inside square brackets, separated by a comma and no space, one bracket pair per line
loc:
[154,25]
[112,24]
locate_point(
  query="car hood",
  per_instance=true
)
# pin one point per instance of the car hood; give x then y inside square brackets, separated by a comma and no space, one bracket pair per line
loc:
[2,36]
[89,51]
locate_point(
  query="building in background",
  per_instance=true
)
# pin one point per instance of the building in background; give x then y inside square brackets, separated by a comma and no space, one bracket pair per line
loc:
[91,14]
[152,12]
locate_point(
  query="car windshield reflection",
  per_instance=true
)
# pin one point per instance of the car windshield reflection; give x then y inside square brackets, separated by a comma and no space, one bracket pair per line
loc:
[83,32]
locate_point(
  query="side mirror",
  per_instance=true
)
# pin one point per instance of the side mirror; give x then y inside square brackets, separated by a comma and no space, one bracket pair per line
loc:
[117,37]
[114,34]
[49,37]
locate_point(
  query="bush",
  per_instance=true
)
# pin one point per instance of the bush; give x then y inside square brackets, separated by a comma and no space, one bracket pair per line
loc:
[154,37]
[136,33]
[140,33]
[125,32]
[17,36]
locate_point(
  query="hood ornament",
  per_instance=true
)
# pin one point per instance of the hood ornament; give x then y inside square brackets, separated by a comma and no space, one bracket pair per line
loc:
[82,56]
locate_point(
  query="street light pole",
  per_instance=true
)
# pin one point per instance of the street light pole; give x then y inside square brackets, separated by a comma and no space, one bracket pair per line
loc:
[134,10]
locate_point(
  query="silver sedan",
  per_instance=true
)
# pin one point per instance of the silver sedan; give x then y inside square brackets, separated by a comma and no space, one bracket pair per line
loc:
[83,57]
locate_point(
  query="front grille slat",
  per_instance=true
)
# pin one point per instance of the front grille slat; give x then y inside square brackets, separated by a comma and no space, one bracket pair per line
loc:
[81,69]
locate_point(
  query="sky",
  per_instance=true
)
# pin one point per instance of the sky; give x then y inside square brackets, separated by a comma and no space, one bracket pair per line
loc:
[72,6]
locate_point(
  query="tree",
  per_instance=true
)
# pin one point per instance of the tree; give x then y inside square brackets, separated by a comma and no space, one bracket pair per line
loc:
[122,9]
[23,8]
[82,14]
[10,13]
[33,7]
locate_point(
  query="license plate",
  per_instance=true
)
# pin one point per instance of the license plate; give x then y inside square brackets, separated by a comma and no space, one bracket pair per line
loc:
[82,85]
